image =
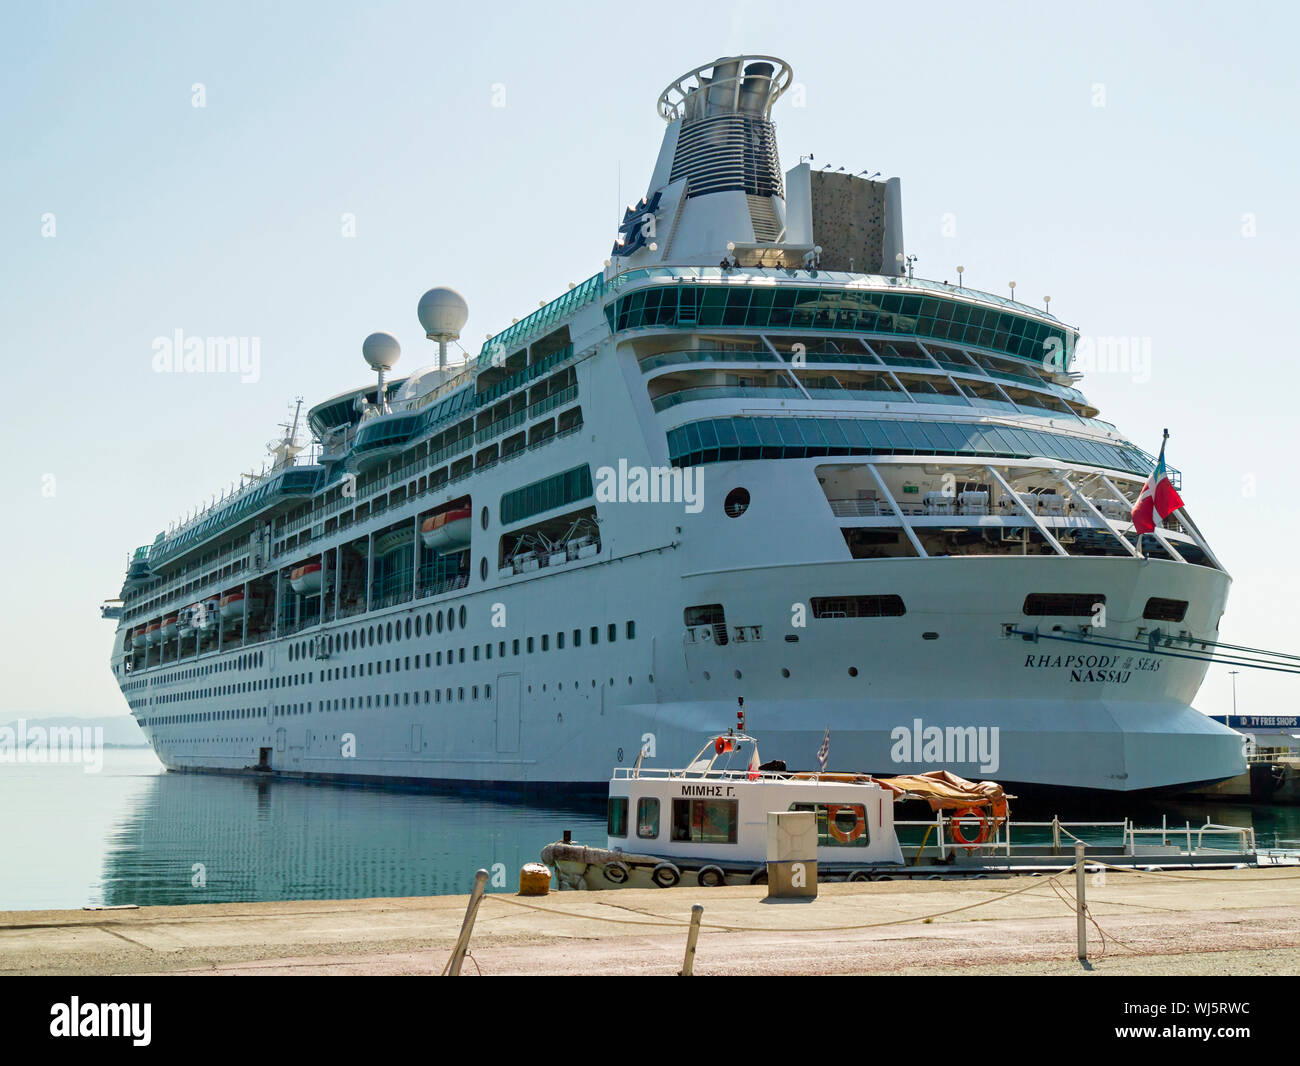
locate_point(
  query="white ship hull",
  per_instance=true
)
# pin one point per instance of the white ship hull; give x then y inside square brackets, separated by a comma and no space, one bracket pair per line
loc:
[907,454]
[1100,721]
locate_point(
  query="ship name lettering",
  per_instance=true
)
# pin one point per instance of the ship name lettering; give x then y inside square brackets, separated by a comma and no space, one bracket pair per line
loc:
[708,790]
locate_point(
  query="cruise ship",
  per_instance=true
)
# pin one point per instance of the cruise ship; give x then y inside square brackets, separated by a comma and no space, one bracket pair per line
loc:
[752,458]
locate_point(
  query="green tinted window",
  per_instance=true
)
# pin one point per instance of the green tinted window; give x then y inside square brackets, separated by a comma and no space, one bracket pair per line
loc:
[838,309]
[647,818]
[706,821]
[559,490]
[839,825]
[617,816]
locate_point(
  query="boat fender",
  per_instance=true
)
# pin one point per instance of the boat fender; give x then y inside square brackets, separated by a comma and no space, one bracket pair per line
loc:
[711,877]
[616,872]
[665,875]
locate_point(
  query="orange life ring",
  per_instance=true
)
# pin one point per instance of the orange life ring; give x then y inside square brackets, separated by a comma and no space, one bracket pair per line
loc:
[860,827]
[954,826]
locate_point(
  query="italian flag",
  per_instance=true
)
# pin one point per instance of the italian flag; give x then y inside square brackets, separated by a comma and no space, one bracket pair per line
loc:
[1158,496]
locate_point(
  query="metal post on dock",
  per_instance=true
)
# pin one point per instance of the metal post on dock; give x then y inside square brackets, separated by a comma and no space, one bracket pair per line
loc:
[1080,880]
[688,964]
[467,926]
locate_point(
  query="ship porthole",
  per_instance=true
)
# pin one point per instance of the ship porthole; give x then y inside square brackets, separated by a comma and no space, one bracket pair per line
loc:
[785,671]
[482,563]
[484,518]
[853,671]
[736,503]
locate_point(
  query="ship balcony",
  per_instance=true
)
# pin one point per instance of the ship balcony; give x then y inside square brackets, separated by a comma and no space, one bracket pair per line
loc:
[915,372]
[893,508]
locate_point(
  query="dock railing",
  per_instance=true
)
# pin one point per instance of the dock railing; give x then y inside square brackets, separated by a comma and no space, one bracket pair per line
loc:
[1057,837]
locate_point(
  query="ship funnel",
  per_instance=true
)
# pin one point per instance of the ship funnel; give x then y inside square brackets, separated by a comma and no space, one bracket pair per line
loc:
[717,194]
[724,86]
[755,88]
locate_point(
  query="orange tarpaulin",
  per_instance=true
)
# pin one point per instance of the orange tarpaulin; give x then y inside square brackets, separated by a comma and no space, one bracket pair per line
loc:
[945,791]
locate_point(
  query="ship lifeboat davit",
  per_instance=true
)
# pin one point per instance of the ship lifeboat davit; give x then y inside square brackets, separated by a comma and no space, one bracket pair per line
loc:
[447,531]
[169,627]
[204,615]
[153,633]
[305,580]
[233,605]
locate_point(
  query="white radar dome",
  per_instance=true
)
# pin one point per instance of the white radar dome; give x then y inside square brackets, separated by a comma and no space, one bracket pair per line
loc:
[443,314]
[381,351]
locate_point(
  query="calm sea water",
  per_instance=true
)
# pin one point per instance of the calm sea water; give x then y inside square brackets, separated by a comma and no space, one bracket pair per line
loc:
[133,833]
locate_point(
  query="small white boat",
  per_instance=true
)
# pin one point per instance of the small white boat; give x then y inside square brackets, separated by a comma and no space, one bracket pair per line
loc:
[707,824]
[153,633]
[169,627]
[137,638]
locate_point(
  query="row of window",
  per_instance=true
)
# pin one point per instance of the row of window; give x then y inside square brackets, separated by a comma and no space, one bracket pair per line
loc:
[349,703]
[717,821]
[718,440]
[558,490]
[1085,604]
[526,645]
[687,305]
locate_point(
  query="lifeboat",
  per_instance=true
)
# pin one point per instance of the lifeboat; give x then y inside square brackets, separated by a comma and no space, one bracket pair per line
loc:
[233,605]
[305,580]
[153,633]
[137,638]
[169,627]
[447,531]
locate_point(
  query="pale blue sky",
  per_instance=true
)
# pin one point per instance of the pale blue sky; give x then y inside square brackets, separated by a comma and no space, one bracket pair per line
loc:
[226,220]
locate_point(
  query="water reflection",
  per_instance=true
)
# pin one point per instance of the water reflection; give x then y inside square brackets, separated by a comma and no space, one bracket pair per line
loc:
[132,834]
[197,838]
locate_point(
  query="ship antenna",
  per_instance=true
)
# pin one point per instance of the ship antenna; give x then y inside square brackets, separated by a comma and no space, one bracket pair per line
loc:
[443,313]
[381,351]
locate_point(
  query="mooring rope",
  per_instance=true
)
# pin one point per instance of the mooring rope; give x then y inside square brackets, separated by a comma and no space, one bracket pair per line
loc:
[669,923]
